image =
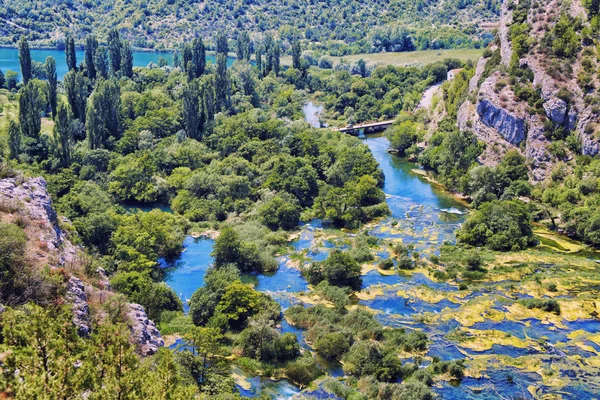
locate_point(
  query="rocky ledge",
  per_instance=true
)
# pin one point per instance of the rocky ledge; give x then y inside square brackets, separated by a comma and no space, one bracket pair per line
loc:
[144,331]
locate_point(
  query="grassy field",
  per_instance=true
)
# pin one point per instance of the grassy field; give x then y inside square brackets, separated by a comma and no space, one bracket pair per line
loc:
[9,110]
[407,58]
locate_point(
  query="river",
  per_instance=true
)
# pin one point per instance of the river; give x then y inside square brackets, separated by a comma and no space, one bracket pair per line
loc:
[9,59]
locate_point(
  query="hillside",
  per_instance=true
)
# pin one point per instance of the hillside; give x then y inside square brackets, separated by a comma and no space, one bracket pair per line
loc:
[345,27]
[535,88]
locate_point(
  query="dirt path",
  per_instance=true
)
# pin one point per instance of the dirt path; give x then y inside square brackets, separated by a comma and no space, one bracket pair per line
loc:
[427,98]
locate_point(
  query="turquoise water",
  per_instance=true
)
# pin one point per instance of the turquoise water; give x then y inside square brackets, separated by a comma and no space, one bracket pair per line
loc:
[427,217]
[9,59]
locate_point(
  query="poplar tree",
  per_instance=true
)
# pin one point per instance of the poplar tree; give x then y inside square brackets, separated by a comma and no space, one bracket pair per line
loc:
[176,59]
[101,62]
[30,110]
[91,46]
[50,67]
[77,89]
[193,114]
[296,53]
[70,53]
[25,60]
[221,83]
[222,46]
[126,60]
[259,64]
[2,79]
[199,57]
[102,116]
[62,135]
[114,50]
[277,58]
[243,47]
[14,140]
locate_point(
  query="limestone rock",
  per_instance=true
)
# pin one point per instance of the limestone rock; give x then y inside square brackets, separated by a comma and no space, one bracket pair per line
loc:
[144,331]
[81,311]
[509,126]
[556,110]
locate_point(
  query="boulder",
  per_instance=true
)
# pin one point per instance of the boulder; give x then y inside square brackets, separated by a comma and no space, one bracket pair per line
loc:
[81,311]
[556,110]
[144,331]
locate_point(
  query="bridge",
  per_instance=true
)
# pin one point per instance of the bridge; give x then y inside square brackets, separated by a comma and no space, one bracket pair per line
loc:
[370,127]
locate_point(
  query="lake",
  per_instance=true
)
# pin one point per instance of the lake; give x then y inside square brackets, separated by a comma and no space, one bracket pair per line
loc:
[9,59]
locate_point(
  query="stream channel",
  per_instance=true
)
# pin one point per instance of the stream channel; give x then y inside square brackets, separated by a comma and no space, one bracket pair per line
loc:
[425,216]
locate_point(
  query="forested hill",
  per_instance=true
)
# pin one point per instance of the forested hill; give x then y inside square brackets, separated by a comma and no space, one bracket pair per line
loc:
[338,26]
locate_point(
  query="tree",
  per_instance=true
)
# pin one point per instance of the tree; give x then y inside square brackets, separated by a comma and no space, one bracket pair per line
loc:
[30,109]
[332,345]
[499,225]
[243,47]
[62,135]
[114,50]
[402,136]
[222,46]
[198,57]
[70,54]
[77,89]
[14,140]
[227,247]
[25,60]
[192,110]
[103,109]
[238,304]
[339,269]
[50,68]
[222,84]
[2,80]
[91,46]
[296,54]
[126,60]
[277,58]
[12,79]
[12,257]
[205,300]
[133,180]
[101,62]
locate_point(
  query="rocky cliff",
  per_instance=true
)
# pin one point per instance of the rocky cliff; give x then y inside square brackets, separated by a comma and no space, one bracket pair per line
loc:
[29,202]
[520,100]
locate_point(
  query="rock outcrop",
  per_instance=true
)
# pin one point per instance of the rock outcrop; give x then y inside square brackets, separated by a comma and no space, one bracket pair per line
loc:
[509,126]
[50,246]
[144,331]
[81,311]
[504,120]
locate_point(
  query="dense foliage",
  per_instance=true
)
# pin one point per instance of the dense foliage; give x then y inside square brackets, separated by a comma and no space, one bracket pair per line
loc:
[341,28]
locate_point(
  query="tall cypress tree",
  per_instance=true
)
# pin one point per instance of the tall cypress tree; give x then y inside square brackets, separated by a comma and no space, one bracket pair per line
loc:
[259,64]
[101,62]
[102,121]
[296,53]
[2,79]
[25,60]
[268,44]
[91,45]
[50,67]
[222,88]
[277,58]
[199,56]
[222,46]
[14,140]
[176,59]
[77,88]
[30,111]
[70,53]
[243,47]
[192,110]
[62,135]
[126,60]
[114,50]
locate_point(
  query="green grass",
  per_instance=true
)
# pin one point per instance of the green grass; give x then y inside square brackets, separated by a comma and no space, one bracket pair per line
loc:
[422,57]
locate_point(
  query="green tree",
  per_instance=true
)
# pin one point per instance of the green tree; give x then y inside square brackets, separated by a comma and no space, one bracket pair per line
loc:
[62,135]
[339,269]
[205,300]
[243,47]
[14,140]
[133,180]
[402,136]
[222,84]
[2,80]
[499,225]
[25,60]
[101,62]
[70,54]
[91,47]
[126,59]
[198,57]
[77,89]
[296,53]
[50,67]
[103,120]
[192,110]
[238,304]
[30,109]
[114,50]
[12,257]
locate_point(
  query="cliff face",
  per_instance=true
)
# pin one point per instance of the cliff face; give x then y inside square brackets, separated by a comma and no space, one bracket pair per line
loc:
[48,246]
[501,116]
